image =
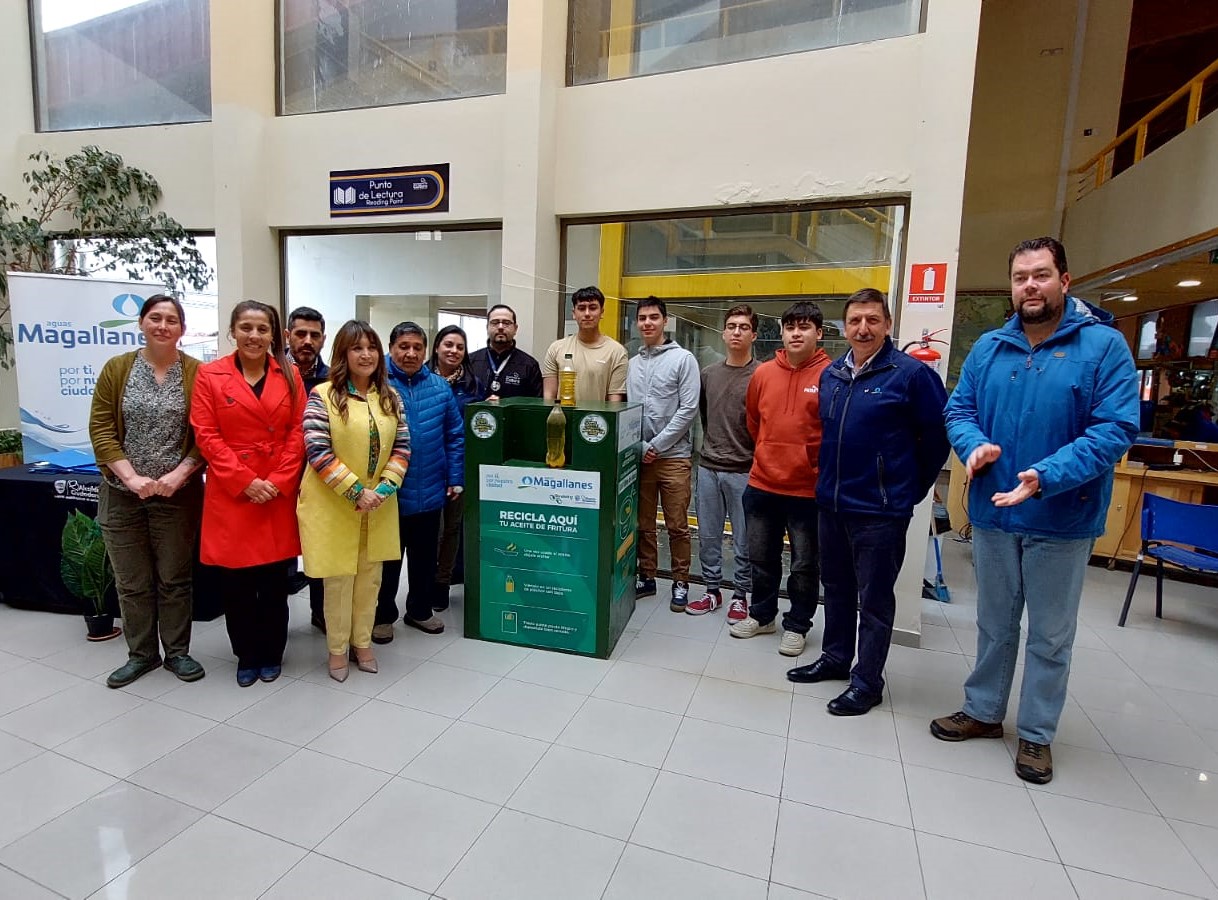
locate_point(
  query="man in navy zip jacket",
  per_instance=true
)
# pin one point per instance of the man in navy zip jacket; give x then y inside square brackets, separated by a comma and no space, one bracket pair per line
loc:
[436,475]
[1044,408]
[883,444]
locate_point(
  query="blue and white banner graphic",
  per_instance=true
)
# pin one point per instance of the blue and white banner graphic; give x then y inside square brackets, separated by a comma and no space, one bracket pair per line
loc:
[65,328]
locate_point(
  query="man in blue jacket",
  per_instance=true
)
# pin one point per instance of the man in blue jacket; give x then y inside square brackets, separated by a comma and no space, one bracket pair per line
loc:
[1044,408]
[883,444]
[436,474]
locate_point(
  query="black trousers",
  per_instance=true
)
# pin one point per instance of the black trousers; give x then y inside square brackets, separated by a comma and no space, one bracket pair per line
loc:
[256,613]
[419,537]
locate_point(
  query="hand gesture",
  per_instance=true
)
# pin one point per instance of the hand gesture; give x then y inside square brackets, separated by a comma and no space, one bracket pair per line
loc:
[980,458]
[368,501]
[167,485]
[142,487]
[1029,486]
[261,491]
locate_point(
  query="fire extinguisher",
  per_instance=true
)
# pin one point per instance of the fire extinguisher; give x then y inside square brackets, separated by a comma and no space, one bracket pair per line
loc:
[923,351]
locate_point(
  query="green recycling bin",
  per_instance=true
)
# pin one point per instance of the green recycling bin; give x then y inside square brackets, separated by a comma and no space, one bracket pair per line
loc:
[550,553]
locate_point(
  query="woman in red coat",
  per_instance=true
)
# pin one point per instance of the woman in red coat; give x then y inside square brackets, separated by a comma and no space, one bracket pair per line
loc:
[246,412]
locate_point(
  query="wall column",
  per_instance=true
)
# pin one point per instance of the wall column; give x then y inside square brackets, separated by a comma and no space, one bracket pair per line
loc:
[536,61]
[243,79]
[941,143]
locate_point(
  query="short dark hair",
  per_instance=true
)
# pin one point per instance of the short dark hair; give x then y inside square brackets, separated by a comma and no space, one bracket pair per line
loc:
[1042,243]
[491,311]
[587,294]
[742,309]
[163,298]
[403,328]
[867,295]
[655,301]
[803,311]
[309,314]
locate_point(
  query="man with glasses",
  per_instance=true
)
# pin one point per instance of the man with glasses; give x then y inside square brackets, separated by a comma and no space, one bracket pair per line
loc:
[504,368]
[723,469]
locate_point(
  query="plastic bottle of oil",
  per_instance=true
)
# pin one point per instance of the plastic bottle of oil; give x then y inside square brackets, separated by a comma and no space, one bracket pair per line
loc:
[556,438]
[566,382]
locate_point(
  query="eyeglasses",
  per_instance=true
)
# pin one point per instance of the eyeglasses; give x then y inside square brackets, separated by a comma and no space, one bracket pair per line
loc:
[736,326]
[495,323]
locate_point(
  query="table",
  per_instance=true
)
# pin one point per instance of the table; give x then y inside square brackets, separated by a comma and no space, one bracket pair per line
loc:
[33,509]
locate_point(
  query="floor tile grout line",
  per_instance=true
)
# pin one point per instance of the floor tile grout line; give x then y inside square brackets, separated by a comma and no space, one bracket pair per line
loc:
[34,880]
[1187,849]
[1122,878]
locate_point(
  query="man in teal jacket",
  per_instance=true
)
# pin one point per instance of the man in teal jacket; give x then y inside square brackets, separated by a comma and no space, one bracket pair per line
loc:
[1044,408]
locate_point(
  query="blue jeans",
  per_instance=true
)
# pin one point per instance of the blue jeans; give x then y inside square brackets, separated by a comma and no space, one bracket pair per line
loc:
[720,496]
[861,556]
[1046,575]
[769,517]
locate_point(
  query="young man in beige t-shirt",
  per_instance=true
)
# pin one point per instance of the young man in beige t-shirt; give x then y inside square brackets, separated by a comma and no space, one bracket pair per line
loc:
[600,362]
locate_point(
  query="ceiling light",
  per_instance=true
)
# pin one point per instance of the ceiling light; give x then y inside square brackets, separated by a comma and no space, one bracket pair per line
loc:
[1188,282]
[1130,298]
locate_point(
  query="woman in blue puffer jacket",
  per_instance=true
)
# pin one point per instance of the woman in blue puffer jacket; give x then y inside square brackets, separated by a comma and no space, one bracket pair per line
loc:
[449,361]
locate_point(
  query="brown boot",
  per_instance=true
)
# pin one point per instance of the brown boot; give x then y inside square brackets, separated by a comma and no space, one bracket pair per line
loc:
[960,726]
[1034,762]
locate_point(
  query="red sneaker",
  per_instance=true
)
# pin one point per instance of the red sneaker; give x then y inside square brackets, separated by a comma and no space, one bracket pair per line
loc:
[708,602]
[738,611]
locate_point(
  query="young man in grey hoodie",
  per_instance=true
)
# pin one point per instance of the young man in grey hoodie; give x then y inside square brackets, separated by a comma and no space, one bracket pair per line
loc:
[664,378]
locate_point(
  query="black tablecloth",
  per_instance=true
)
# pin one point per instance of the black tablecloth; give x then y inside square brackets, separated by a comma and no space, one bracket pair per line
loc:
[33,509]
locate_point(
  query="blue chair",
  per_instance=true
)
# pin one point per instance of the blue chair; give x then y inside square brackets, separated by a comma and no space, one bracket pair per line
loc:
[1166,525]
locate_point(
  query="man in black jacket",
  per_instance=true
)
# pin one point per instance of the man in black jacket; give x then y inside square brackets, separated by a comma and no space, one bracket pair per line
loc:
[504,368]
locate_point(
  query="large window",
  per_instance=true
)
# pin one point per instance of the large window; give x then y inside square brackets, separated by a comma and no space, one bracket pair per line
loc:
[432,278]
[701,265]
[108,63]
[619,38]
[347,54]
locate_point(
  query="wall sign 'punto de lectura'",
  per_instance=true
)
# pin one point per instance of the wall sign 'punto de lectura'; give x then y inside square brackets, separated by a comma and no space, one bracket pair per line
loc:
[389,191]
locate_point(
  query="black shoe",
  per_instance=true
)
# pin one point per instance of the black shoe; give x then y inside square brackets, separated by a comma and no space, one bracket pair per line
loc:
[185,668]
[269,673]
[854,702]
[440,598]
[824,669]
[645,587]
[319,623]
[131,670]
[297,583]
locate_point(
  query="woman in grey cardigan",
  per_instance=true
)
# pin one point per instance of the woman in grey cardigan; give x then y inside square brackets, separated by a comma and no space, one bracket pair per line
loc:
[150,500]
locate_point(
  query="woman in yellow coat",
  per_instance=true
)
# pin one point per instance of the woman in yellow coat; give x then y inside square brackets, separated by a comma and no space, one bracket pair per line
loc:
[358,447]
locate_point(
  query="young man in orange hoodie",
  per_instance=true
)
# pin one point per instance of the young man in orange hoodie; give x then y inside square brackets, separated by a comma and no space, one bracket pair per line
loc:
[784,419]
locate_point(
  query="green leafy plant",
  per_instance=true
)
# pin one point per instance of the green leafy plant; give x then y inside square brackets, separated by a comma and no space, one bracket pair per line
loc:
[10,440]
[92,196]
[83,565]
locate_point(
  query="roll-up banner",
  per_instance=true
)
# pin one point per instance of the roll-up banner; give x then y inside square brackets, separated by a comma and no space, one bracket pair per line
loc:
[65,328]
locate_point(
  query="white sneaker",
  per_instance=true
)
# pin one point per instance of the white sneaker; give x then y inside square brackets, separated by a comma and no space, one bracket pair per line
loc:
[750,627]
[792,643]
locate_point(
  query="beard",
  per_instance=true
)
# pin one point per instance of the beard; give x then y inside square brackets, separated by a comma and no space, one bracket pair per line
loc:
[1046,313]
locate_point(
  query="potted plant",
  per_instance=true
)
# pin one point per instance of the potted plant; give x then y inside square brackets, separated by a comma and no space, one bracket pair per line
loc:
[10,447]
[86,572]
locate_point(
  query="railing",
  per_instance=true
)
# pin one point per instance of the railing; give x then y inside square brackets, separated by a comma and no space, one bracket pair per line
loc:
[1102,167]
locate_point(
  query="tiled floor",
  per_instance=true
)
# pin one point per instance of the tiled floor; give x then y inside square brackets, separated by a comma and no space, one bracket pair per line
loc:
[685,767]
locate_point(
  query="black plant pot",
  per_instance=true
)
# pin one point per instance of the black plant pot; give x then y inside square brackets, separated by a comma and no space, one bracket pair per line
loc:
[101,628]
